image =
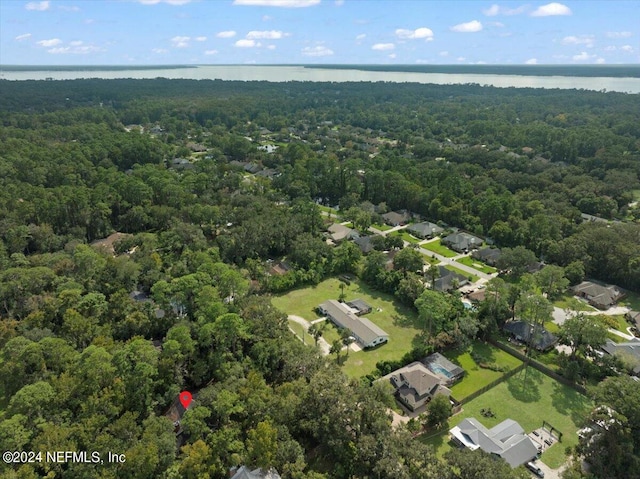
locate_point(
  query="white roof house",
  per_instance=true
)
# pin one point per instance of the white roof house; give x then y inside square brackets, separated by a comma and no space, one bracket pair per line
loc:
[365,332]
[506,440]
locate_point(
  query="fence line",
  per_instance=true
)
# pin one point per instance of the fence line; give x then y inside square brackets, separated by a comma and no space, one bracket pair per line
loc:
[539,366]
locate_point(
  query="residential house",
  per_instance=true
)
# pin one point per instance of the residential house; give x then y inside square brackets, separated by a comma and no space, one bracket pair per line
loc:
[245,473]
[181,164]
[365,244]
[587,218]
[540,338]
[269,149]
[424,229]
[489,256]
[629,350]
[362,329]
[196,147]
[462,242]
[252,168]
[602,297]
[449,280]
[361,307]
[268,173]
[634,318]
[338,232]
[506,440]
[416,385]
[397,218]
[279,268]
[447,371]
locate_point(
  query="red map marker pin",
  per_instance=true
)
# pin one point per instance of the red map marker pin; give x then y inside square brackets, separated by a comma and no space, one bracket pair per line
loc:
[185,399]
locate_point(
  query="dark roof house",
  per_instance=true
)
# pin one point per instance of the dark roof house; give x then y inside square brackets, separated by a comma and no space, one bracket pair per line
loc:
[629,349]
[365,243]
[363,330]
[447,371]
[424,229]
[602,297]
[461,242]
[506,440]
[449,280]
[489,256]
[360,306]
[397,218]
[416,385]
[634,318]
[525,332]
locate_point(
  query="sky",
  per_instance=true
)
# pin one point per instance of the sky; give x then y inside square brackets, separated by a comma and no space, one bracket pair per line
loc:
[162,32]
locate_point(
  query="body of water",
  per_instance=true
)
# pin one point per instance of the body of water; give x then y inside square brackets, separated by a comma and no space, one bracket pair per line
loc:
[301,73]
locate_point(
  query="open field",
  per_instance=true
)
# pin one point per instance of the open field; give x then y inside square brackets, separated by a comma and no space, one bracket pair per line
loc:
[476,377]
[405,236]
[472,263]
[529,402]
[436,247]
[395,318]
[473,277]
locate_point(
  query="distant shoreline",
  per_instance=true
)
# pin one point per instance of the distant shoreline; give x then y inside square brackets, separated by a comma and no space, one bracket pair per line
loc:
[605,71]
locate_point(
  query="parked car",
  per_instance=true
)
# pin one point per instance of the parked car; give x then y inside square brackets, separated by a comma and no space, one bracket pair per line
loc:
[535,469]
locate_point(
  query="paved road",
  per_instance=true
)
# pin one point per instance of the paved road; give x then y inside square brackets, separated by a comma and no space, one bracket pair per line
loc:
[322,343]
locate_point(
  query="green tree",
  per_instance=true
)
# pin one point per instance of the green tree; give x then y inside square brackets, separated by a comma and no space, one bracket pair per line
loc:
[315,330]
[481,465]
[408,260]
[582,334]
[438,411]
[516,260]
[551,280]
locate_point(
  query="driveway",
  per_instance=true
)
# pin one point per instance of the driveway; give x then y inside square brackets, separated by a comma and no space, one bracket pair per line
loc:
[322,343]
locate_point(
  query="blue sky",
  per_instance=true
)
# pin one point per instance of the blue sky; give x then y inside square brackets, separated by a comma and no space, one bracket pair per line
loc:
[138,32]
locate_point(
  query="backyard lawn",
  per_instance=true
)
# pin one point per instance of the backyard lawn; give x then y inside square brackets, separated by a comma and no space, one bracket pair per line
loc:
[472,263]
[436,247]
[631,300]
[476,377]
[568,301]
[529,403]
[397,320]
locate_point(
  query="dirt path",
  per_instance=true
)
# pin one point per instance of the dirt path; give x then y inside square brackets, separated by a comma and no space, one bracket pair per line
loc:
[322,343]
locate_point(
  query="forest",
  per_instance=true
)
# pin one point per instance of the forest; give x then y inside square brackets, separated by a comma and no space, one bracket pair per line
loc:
[98,337]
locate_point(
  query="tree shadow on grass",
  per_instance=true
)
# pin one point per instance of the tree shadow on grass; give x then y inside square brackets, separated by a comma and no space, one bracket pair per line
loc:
[570,403]
[484,351]
[524,386]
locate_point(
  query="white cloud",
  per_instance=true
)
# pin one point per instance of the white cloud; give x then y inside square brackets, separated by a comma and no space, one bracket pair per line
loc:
[317,51]
[76,48]
[461,59]
[180,42]
[581,57]
[610,48]
[278,3]
[383,46]
[200,39]
[266,18]
[169,2]
[38,6]
[267,34]
[50,43]
[600,61]
[551,9]
[226,34]
[160,51]
[531,61]
[496,24]
[494,10]
[444,54]
[339,3]
[627,48]
[362,36]
[271,47]
[469,27]
[422,32]
[244,43]
[210,52]
[619,34]
[587,40]
[24,36]
[392,55]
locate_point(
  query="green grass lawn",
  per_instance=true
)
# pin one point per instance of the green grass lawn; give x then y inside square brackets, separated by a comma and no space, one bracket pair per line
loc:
[568,301]
[436,247]
[476,377]
[473,277]
[529,403]
[472,263]
[405,236]
[381,226]
[395,318]
[430,259]
[632,300]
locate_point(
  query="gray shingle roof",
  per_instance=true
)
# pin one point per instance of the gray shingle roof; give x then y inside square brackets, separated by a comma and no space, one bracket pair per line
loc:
[361,327]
